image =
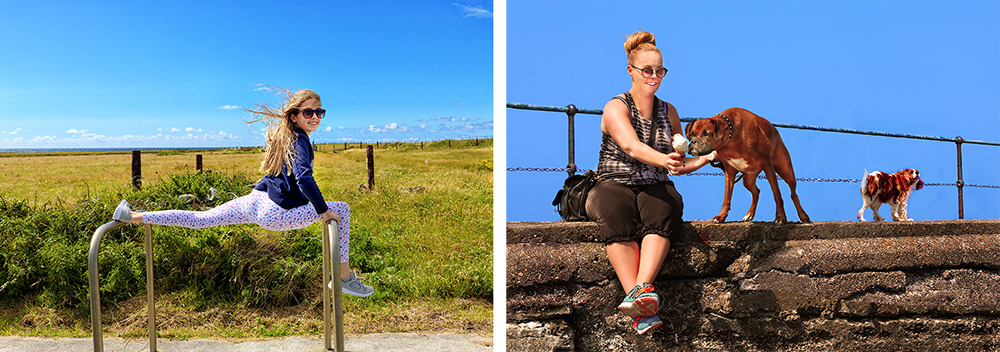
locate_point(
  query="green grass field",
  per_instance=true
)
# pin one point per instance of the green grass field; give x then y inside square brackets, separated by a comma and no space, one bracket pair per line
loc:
[422,237]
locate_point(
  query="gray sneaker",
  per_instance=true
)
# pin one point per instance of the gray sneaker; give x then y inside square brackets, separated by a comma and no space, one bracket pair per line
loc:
[123,213]
[353,286]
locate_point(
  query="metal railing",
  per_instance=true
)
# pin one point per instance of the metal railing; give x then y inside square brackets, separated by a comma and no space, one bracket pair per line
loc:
[95,292]
[571,111]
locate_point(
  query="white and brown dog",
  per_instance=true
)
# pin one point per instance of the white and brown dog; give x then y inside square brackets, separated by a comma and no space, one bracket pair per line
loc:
[895,189]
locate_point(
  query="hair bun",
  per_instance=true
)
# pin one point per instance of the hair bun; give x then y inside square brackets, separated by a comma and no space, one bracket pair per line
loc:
[637,39]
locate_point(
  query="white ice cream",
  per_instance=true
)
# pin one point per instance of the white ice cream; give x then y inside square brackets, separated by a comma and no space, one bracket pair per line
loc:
[680,143]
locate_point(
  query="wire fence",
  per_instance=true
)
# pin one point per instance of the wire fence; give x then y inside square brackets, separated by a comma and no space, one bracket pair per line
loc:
[443,143]
[571,110]
[759,177]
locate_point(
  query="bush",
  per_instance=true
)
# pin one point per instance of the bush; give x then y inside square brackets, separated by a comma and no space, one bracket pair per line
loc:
[44,248]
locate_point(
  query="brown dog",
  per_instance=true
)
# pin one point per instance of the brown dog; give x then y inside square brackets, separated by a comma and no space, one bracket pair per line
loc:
[747,143]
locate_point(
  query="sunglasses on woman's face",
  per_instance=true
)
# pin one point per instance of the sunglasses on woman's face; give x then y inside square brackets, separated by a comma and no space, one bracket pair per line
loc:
[648,72]
[308,113]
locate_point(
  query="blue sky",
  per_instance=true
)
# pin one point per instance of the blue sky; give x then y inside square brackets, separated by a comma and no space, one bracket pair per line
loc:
[925,67]
[173,74]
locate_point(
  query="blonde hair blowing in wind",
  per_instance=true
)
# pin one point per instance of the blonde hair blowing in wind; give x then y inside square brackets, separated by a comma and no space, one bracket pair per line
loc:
[280,136]
[639,42]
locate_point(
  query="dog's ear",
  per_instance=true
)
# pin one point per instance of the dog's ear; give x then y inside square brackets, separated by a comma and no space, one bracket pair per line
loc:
[717,127]
[687,129]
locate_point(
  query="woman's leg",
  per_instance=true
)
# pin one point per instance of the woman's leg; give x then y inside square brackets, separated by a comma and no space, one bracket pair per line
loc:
[613,207]
[344,235]
[272,217]
[229,213]
[653,252]
[624,258]
[660,210]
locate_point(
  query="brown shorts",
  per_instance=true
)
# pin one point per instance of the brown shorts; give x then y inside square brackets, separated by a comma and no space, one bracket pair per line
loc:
[629,213]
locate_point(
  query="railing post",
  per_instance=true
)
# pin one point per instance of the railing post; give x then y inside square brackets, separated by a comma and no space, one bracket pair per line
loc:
[960,183]
[95,288]
[331,238]
[197,163]
[571,113]
[150,307]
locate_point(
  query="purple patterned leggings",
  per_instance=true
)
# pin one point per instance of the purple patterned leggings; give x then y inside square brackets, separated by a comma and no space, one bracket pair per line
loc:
[256,208]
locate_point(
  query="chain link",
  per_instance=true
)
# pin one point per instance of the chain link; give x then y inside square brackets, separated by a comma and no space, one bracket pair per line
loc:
[759,177]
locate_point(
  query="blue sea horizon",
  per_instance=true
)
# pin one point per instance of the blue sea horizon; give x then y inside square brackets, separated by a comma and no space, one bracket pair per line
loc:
[56,150]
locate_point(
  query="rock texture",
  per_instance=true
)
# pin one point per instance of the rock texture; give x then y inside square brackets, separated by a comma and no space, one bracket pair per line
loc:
[916,286]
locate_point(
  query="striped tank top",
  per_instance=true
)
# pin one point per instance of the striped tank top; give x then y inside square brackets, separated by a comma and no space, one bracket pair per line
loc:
[617,165]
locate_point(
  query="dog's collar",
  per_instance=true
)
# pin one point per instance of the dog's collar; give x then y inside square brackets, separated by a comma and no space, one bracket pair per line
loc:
[730,127]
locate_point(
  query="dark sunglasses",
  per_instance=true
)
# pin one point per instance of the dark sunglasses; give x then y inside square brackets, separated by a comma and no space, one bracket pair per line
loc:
[308,113]
[648,72]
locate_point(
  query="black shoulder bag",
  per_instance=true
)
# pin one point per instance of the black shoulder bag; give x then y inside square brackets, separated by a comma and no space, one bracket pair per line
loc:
[571,200]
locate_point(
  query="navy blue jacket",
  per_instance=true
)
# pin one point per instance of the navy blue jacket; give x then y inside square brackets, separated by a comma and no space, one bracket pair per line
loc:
[298,188]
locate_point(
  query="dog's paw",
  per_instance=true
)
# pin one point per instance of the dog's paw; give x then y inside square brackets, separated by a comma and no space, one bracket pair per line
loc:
[719,219]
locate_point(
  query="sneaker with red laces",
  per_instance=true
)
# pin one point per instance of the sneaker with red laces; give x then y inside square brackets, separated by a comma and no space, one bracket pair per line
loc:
[641,301]
[642,325]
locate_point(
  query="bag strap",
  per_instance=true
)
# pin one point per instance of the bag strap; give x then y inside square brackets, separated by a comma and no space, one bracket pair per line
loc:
[651,140]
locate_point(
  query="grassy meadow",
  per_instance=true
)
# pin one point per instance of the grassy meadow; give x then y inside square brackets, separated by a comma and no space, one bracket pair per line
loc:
[422,237]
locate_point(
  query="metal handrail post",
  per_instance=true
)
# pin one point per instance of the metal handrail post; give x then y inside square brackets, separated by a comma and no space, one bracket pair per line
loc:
[960,183]
[95,289]
[150,307]
[337,290]
[326,289]
[571,113]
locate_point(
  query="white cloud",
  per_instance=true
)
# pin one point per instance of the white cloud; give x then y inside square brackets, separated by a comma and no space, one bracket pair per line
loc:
[192,129]
[98,140]
[73,130]
[175,129]
[328,129]
[471,11]
[43,139]
[229,107]
[11,132]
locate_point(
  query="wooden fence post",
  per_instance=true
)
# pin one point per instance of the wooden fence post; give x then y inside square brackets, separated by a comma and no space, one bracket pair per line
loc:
[197,162]
[370,155]
[136,169]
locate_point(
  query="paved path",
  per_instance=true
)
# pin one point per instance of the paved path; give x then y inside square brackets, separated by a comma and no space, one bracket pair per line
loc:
[404,342]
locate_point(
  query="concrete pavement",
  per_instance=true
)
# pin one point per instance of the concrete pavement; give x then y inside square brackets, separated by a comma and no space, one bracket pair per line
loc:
[403,342]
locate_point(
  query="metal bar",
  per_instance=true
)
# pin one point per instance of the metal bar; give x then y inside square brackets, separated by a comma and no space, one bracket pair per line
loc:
[338,296]
[960,183]
[95,289]
[331,241]
[150,307]
[326,289]
[785,125]
[571,112]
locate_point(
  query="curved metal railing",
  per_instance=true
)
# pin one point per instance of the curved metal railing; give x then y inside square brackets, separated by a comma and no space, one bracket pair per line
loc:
[330,243]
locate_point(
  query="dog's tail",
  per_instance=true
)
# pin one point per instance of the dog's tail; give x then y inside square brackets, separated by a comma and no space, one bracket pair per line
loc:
[864,181]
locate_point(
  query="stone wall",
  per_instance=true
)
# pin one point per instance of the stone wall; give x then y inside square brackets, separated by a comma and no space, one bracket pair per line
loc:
[927,285]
